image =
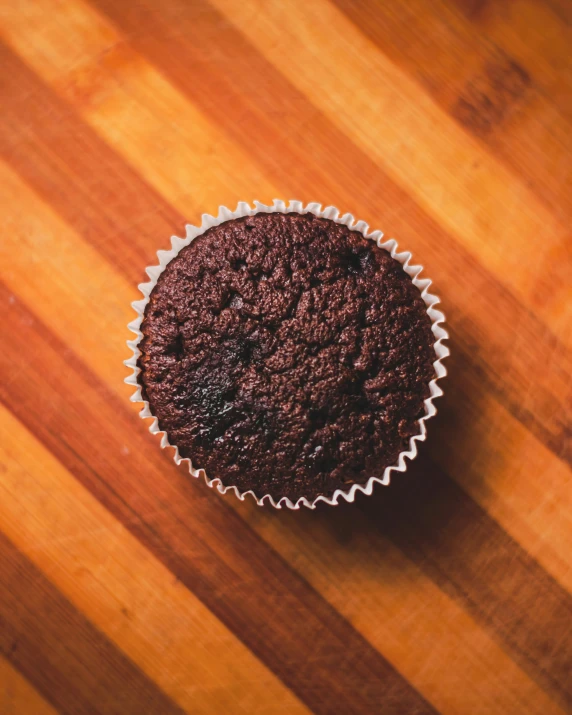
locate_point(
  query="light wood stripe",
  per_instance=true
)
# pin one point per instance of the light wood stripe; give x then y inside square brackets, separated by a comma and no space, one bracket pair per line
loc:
[17,696]
[122,588]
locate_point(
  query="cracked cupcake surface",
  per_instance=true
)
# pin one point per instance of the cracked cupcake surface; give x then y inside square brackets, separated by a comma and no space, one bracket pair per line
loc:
[287,355]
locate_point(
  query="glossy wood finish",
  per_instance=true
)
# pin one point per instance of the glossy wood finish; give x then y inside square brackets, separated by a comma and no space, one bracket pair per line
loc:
[128,587]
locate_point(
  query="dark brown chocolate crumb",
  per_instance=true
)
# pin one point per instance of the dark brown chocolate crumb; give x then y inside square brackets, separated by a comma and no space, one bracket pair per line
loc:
[286,354]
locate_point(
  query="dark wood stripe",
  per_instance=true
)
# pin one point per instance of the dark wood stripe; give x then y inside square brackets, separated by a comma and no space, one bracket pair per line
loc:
[204,542]
[469,556]
[35,150]
[471,375]
[61,158]
[477,9]
[71,663]
[489,97]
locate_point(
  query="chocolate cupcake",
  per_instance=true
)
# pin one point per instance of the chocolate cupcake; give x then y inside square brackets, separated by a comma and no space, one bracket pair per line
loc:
[288,355]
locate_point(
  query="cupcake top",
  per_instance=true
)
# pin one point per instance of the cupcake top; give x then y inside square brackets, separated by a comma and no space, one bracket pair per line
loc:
[287,355]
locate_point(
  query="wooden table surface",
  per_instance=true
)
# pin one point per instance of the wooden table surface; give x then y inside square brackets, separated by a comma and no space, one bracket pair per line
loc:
[128,587]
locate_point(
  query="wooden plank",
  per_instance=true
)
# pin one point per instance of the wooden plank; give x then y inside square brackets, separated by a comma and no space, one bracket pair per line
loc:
[121,588]
[362,572]
[444,170]
[507,105]
[536,33]
[285,622]
[17,695]
[108,82]
[57,649]
[61,250]
[436,604]
[505,359]
[125,585]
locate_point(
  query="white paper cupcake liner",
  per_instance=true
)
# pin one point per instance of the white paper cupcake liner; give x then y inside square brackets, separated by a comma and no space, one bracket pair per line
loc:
[330,212]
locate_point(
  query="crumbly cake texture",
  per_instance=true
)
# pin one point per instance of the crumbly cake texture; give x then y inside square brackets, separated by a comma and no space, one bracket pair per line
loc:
[287,355]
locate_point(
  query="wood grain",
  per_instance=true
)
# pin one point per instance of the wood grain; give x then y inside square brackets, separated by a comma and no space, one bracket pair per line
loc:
[128,587]
[18,695]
